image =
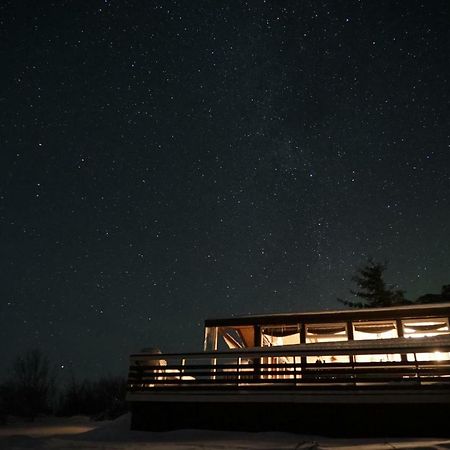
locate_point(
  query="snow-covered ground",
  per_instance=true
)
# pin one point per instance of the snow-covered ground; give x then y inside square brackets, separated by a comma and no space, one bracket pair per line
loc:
[80,433]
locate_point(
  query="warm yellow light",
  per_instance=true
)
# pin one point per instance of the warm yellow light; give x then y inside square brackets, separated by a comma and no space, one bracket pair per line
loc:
[440,356]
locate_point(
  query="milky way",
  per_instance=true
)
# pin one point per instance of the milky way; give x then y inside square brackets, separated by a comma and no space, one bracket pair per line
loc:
[167,161]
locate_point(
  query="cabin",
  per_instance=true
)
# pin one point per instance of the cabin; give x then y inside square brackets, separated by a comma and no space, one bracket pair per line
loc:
[345,372]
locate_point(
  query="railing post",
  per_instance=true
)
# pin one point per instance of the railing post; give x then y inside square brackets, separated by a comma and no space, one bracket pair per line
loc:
[295,370]
[213,368]
[417,367]
[400,333]
[238,370]
[352,360]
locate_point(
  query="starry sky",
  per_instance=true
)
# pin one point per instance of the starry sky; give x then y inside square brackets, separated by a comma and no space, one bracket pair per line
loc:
[167,161]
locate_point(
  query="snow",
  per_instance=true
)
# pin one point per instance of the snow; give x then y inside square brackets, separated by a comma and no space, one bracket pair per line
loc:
[79,433]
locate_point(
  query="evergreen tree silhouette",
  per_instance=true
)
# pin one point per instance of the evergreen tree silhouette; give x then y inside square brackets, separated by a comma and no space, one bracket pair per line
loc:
[372,289]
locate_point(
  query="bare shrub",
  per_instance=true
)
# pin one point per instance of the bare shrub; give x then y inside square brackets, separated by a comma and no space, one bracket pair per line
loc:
[101,399]
[28,391]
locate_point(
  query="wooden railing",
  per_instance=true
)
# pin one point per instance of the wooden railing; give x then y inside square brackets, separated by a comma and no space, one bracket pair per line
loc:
[290,367]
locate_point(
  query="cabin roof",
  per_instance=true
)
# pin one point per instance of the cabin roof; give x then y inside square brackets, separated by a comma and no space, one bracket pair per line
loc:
[342,315]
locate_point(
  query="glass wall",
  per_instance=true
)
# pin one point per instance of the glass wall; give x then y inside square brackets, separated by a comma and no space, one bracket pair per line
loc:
[331,332]
[277,335]
[280,335]
[378,329]
[235,337]
[417,328]
[247,336]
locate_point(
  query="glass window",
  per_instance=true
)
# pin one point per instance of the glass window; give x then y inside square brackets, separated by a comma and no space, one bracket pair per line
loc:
[418,328]
[425,327]
[374,330]
[236,337]
[331,332]
[377,329]
[280,335]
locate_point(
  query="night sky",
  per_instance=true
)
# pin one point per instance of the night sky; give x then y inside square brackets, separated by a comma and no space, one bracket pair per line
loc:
[163,162]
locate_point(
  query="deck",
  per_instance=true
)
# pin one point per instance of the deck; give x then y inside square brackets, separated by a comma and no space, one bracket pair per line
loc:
[266,388]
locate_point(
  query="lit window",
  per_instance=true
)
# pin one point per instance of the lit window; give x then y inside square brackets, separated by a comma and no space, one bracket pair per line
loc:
[379,329]
[420,328]
[331,332]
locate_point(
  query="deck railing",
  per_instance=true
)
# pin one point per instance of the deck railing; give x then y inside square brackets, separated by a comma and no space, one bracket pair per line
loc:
[401,364]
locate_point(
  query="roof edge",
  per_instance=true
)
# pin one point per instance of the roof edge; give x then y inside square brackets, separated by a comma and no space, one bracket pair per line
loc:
[331,313]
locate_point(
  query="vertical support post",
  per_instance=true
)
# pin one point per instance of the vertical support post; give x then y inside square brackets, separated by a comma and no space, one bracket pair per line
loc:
[351,337]
[303,359]
[211,345]
[295,370]
[400,333]
[257,361]
[238,376]
[213,369]
[417,368]
[211,339]
[257,329]
[352,358]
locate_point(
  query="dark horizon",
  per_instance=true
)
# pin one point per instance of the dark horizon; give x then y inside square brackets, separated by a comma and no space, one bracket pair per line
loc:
[168,162]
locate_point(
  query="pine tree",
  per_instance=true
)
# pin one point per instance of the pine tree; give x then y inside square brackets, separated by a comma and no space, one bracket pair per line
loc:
[372,289]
